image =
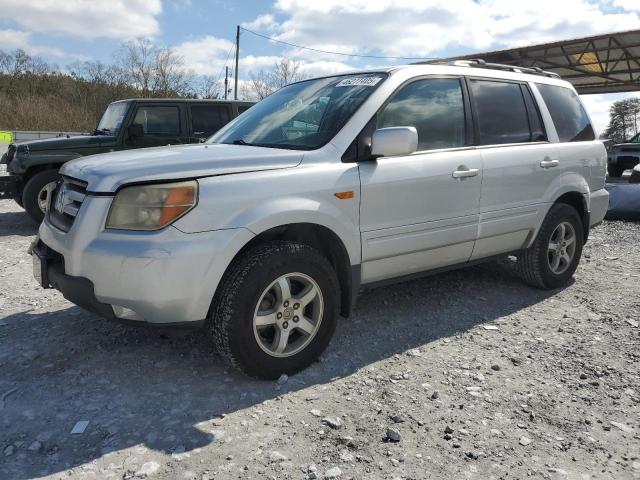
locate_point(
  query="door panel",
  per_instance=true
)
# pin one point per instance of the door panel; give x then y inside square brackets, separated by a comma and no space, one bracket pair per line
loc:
[513,190]
[414,215]
[514,182]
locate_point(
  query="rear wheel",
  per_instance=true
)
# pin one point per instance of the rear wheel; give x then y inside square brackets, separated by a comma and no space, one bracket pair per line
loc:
[615,170]
[36,193]
[554,256]
[276,309]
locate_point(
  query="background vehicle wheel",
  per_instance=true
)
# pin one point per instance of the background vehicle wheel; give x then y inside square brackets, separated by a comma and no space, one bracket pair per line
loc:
[554,256]
[276,309]
[615,170]
[34,195]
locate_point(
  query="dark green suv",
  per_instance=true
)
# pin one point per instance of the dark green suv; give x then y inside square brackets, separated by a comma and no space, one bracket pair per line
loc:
[136,123]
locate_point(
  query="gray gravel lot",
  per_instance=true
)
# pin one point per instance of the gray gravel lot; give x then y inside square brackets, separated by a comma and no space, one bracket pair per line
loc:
[476,375]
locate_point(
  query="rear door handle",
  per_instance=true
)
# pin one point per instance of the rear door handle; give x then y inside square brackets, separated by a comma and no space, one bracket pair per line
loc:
[548,163]
[471,172]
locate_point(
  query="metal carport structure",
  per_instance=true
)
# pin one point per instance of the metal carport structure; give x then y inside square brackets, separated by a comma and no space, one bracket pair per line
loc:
[606,63]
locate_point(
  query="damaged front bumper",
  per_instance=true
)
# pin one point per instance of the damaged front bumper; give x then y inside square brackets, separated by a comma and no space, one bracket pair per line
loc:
[162,277]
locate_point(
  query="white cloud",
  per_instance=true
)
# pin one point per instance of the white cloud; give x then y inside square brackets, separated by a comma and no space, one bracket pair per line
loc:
[205,55]
[629,5]
[121,19]
[429,27]
[208,55]
[14,39]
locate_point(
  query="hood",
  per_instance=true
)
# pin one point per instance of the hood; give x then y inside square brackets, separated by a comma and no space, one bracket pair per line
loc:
[108,171]
[61,143]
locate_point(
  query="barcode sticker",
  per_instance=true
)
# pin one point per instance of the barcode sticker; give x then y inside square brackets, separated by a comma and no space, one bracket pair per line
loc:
[358,82]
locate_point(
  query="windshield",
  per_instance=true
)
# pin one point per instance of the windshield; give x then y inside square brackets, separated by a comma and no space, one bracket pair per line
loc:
[302,116]
[113,117]
[635,138]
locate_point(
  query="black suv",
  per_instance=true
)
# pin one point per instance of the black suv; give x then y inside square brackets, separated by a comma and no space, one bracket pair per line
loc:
[125,124]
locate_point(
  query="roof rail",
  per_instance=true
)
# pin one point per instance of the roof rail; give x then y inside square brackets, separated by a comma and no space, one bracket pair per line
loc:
[479,63]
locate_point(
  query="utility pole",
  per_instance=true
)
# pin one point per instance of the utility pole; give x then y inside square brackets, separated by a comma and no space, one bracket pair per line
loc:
[235,93]
[226,81]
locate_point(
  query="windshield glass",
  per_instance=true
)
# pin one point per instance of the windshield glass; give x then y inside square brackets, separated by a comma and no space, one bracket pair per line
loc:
[113,117]
[302,116]
[635,138]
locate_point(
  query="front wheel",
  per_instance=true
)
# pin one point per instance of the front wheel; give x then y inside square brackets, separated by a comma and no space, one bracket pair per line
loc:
[276,309]
[553,257]
[36,193]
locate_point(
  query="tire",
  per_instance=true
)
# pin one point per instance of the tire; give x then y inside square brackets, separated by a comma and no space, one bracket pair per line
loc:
[32,191]
[615,170]
[535,263]
[249,285]
[635,176]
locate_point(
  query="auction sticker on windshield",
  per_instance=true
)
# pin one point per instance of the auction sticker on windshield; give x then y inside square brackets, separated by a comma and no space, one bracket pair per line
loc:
[358,82]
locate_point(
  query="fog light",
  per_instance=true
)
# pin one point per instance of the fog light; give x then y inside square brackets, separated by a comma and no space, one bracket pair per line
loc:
[125,313]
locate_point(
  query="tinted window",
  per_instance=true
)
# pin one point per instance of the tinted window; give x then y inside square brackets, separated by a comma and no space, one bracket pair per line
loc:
[501,112]
[434,107]
[567,113]
[208,119]
[242,109]
[159,120]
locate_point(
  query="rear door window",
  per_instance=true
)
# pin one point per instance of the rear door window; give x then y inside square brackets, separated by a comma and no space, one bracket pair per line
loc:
[158,120]
[568,114]
[500,111]
[208,119]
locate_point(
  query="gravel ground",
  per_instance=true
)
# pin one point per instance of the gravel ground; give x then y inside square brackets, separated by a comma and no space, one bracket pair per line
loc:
[468,374]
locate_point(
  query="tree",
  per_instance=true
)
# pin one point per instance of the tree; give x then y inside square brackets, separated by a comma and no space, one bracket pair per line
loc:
[264,83]
[624,120]
[155,71]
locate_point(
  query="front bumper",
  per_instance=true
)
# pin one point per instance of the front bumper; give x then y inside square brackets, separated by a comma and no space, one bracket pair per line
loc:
[164,277]
[77,290]
[9,187]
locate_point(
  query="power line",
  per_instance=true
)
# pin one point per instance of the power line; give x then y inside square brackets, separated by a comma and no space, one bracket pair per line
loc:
[225,64]
[336,53]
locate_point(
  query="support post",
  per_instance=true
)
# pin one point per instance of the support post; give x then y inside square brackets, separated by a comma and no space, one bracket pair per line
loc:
[235,93]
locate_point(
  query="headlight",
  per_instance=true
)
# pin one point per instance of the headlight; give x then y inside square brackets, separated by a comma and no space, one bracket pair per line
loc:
[152,207]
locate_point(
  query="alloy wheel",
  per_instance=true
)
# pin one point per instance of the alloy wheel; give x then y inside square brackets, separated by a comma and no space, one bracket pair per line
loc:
[562,248]
[288,314]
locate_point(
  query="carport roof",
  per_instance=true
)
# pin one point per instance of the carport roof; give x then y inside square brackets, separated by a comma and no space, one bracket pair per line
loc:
[605,63]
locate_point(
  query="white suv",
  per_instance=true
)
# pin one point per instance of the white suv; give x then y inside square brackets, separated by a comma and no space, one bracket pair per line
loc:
[265,233]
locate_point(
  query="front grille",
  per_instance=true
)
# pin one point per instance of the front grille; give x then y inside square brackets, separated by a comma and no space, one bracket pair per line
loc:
[65,202]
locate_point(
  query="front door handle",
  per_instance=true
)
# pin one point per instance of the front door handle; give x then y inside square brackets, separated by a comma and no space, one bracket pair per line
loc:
[469,172]
[548,163]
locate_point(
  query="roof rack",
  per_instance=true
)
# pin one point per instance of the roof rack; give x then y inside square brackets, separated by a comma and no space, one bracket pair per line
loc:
[479,63]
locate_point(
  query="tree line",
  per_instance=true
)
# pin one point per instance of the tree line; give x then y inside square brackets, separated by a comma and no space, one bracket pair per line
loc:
[38,95]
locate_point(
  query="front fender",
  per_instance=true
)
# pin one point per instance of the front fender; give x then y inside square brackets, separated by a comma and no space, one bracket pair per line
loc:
[279,212]
[260,201]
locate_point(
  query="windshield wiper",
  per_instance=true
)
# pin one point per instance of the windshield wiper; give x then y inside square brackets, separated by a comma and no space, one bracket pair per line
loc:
[102,131]
[271,145]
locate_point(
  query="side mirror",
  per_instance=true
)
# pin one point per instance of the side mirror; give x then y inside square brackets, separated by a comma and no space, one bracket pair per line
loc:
[135,130]
[394,141]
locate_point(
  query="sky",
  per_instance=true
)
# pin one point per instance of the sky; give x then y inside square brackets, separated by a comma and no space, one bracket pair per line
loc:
[203,32]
